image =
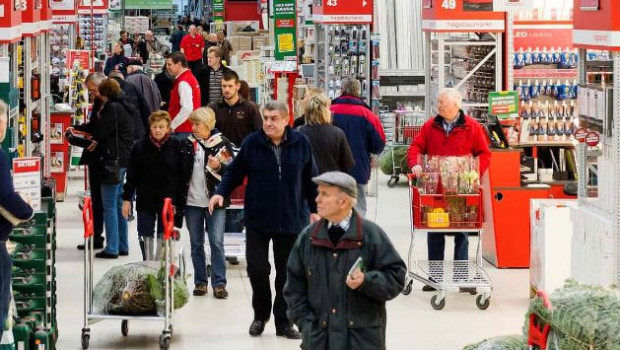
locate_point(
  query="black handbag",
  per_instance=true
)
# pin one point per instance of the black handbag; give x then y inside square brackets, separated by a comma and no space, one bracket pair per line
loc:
[111,167]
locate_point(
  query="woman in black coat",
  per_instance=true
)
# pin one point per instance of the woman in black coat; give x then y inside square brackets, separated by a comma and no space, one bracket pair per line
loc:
[153,175]
[329,143]
[118,61]
[113,133]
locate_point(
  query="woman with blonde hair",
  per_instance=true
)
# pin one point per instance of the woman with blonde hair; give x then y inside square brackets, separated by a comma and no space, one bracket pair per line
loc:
[204,158]
[329,144]
[311,91]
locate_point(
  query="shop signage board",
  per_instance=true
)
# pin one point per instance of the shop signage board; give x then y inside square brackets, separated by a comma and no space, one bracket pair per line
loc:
[67,5]
[218,11]
[27,180]
[543,36]
[503,104]
[79,56]
[462,16]
[427,4]
[592,139]
[285,28]
[148,4]
[512,5]
[97,6]
[589,5]
[343,11]
[580,134]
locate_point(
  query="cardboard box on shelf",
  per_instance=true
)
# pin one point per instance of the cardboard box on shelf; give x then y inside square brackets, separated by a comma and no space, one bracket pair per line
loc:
[259,41]
[245,43]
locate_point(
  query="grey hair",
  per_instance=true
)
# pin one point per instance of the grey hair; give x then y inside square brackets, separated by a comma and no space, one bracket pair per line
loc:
[278,106]
[453,95]
[95,78]
[351,87]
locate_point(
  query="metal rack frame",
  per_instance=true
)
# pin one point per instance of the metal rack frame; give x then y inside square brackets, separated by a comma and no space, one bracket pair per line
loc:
[434,86]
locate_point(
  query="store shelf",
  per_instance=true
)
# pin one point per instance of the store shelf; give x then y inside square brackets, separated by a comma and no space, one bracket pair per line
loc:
[404,94]
[545,144]
[401,72]
[545,73]
[469,43]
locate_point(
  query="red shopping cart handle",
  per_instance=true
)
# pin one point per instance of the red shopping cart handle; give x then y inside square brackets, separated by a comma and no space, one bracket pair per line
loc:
[87,217]
[168,219]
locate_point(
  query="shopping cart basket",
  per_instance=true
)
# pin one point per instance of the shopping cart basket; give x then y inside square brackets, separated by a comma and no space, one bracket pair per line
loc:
[170,271]
[406,126]
[428,215]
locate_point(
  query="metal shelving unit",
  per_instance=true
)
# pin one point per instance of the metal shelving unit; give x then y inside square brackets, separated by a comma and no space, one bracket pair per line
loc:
[463,61]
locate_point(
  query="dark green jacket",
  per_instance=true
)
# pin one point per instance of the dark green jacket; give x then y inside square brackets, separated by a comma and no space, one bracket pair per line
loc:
[328,313]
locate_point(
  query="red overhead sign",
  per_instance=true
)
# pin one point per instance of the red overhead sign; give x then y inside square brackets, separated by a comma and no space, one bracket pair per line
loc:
[343,11]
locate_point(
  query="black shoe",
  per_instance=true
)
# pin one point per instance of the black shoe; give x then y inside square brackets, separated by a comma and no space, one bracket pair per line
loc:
[96,245]
[428,288]
[105,255]
[257,327]
[288,332]
[121,253]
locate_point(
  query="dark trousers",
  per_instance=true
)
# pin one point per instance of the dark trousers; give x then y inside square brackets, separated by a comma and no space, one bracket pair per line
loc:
[437,246]
[259,269]
[194,66]
[94,179]
[5,284]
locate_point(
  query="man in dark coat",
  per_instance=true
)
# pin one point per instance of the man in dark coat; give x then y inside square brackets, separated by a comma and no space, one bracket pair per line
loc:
[279,167]
[147,87]
[176,37]
[138,107]
[341,272]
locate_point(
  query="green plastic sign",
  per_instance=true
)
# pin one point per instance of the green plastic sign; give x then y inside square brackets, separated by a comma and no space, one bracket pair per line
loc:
[218,12]
[148,4]
[504,104]
[285,28]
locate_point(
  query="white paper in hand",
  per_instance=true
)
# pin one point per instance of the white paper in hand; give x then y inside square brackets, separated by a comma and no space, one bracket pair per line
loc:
[357,265]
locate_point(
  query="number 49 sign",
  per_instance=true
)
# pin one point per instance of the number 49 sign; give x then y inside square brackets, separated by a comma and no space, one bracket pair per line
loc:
[448,4]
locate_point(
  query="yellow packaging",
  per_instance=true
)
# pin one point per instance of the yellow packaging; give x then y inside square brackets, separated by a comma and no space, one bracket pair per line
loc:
[438,220]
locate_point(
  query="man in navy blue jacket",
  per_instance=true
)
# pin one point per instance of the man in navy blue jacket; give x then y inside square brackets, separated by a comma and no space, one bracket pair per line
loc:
[364,133]
[15,206]
[279,167]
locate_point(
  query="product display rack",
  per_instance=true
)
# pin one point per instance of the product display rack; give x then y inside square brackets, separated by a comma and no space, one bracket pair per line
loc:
[342,50]
[94,30]
[62,38]
[468,62]
[10,95]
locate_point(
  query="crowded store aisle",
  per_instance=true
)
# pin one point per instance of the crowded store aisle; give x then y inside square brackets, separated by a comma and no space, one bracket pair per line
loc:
[209,323]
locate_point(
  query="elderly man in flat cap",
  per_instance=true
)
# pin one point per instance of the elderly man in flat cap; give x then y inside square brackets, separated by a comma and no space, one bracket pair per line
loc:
[341,272]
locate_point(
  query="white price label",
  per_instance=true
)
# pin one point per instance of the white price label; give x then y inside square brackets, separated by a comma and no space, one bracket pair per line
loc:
[448,4]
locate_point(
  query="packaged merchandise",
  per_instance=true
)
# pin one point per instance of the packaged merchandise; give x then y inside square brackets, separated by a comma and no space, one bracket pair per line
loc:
[514,342]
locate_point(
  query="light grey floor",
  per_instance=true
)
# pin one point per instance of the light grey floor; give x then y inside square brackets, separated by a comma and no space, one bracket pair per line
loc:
[208,323]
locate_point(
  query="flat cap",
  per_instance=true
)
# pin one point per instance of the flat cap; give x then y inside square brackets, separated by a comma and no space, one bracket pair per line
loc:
[134,63]
[345,182]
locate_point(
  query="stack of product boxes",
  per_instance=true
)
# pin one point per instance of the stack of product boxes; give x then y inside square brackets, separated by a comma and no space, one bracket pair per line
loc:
[34,279]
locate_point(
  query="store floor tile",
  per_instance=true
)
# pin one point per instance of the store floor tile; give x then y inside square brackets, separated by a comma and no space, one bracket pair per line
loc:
[209,323]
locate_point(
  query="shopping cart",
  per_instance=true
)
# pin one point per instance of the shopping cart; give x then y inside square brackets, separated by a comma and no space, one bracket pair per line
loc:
[400,132]
[170,270]
[447,276]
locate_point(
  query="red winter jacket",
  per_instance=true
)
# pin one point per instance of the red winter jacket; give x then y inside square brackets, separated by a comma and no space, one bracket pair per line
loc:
[466,138]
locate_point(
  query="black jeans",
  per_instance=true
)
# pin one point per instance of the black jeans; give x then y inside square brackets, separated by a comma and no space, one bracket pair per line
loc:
[259,269]
[5,284]
[94,178]
[194,66]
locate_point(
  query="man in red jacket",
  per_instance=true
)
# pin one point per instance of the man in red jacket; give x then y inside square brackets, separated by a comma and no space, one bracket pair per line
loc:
[450,133]
[192,46]
[185,94]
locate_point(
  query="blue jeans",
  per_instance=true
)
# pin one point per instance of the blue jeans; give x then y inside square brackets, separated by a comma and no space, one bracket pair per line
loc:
[437,245]
[197,220]
[5,284]
[115,223]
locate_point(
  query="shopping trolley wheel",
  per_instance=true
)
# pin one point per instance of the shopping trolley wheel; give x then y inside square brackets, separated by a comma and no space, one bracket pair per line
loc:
[164,342]
[408,288]
[124,328]
[483,303]
[393,181]
[438,305]
[85,340]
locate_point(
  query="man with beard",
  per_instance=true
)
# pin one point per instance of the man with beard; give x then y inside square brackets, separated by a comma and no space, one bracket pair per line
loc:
[235,117]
